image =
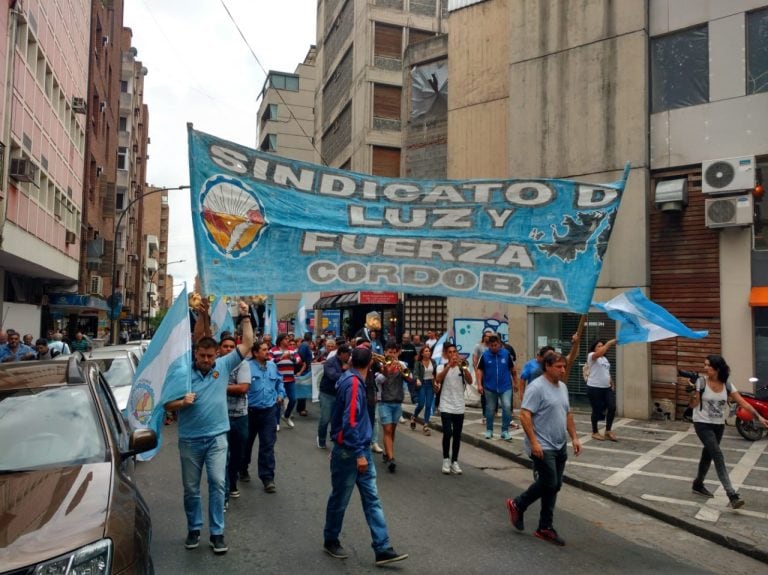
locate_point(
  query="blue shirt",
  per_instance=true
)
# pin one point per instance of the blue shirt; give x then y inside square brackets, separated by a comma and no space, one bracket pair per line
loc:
[266,383]
[350,424]
[496,370]
[531,370]
[305,353]
[21,351]
[208,415]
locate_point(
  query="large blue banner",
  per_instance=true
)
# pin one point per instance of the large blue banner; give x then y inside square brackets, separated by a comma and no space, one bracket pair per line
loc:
[266,224]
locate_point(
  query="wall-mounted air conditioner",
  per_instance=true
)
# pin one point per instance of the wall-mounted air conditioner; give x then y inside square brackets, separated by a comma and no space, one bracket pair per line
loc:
[23,170]
[728,175]
[70,237]
[78,105]
[729,212]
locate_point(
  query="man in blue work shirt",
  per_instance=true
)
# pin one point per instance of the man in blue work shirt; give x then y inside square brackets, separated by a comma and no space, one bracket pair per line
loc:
[265,394]
[203,427]
[351,464]
[494,379]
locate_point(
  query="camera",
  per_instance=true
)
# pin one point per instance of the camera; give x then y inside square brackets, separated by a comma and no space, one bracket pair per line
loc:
[691,376]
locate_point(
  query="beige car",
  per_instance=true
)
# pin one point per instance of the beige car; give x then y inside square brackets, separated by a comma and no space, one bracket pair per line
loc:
[69,504]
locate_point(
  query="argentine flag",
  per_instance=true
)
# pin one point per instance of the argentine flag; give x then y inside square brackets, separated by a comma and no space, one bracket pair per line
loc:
[270,317]
[164,373]
[644,321]
[437,351]
[221,319]
[301,317]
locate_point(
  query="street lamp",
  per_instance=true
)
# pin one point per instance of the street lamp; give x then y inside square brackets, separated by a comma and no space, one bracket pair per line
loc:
[153,290]
[115,303]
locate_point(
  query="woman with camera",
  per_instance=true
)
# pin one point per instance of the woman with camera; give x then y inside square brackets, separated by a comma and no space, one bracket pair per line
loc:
[710,407]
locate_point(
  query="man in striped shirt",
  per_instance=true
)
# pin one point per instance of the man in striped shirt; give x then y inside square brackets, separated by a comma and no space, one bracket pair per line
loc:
[288,361]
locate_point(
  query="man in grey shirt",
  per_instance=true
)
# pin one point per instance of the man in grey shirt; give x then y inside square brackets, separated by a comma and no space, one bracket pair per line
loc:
[546,416]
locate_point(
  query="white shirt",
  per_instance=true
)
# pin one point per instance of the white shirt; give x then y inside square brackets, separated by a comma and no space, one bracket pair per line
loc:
[599,371]
[452,391]
[714,406]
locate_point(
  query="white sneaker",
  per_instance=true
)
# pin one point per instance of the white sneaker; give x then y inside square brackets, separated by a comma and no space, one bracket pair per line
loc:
[376,448]
[402,420]
[277,427]
[455,469]
[446,466]
[289,422]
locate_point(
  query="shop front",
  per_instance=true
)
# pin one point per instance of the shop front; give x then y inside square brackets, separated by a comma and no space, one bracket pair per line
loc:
[353,309]
[71,313]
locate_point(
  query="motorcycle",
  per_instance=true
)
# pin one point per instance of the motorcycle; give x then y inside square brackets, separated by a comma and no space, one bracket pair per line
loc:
[747,426]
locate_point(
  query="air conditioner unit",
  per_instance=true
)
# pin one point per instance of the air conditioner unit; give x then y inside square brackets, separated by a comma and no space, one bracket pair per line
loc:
[78,105]
[70,237]
[729,212]
[23,170]
[728,175]
[97,284]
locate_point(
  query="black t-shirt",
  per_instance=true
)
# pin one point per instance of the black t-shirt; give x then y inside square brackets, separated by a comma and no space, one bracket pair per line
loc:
[408,355]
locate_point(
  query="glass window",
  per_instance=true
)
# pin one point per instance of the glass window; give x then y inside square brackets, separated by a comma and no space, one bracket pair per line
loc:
[44,427]
[757,51]
[122,158]
[281,82]
[680,69]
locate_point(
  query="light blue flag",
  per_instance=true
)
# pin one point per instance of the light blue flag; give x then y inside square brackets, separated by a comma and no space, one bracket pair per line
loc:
[301,317]
[282,226]
[270,317]
[644,321]
[221,318]
[437,351]
[164,373]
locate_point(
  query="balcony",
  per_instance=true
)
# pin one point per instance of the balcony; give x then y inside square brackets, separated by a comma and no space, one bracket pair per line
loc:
[151,265]
[126,102]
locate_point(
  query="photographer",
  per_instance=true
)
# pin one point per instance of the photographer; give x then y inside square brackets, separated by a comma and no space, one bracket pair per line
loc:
[710,406]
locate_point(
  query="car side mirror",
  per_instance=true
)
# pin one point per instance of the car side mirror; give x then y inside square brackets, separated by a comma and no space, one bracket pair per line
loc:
[140,440]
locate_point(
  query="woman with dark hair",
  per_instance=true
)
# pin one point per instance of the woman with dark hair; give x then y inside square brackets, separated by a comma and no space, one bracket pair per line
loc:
[601,389]
[424,370]
[710,407]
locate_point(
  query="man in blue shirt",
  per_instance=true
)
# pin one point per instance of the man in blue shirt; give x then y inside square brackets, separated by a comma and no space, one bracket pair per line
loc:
[332,370]
[14,350]
[351,464]
[203,427]
[494,379]
[265,395]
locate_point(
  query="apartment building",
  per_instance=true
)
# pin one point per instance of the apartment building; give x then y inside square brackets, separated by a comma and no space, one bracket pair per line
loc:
[575,90]
[155,249]
[45,86]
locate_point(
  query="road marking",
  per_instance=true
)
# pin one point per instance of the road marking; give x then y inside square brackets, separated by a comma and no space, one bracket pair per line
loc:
[636,465]
[660,499]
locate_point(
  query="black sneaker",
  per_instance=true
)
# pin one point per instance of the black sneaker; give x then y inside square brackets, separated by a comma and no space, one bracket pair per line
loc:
[701,490]
[245,476]
[218,545]
[515,515]
[550,535]
[735,501]
[389,556]
[234,493]
[193,539]
[334,549]
[270,487]
[391,465]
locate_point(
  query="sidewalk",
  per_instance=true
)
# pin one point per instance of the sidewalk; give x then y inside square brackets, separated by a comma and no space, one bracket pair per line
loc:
[650,468]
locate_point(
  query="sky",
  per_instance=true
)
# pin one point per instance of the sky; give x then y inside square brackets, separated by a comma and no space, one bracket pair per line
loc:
[202,71]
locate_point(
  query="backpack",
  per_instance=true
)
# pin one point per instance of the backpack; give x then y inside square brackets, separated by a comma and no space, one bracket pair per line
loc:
[585,371]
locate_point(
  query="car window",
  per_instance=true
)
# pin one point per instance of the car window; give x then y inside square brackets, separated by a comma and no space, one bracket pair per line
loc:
[49,427]
[111,413]
[118,371]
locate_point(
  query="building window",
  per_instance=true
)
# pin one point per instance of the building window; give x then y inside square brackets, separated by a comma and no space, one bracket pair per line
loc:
[122,158]
[270,113]
[757,51]
[123,123]
[388,41]
[425,313]
[284,82]
[124,86]
[386,162]
[680,69]
[269,144]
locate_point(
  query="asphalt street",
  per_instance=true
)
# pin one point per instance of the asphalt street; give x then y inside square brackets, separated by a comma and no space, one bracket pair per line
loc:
[448,524]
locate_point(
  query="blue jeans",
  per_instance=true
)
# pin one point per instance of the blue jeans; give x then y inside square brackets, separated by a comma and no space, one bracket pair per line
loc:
[211,451]
[491,403]
[327,401]
[237,439]
[548,475]
[261,423]
[290,393]
[426,395]
[344,477]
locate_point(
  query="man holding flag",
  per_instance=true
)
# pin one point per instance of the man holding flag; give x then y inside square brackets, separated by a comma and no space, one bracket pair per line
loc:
[203,427]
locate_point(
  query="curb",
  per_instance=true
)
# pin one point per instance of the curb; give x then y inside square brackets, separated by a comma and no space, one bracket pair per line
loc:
[728,541]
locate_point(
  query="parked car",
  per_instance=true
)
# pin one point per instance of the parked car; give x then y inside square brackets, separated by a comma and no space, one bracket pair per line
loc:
[67,470]
[117,366]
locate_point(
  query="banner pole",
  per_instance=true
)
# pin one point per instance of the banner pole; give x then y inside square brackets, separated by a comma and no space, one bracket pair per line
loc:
[574,347]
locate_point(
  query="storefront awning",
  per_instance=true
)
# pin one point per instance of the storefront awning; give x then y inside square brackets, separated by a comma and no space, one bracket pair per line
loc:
[75,303]
[758,297]
[354,298]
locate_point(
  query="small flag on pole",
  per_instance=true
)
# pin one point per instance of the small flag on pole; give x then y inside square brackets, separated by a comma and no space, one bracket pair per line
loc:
[164,373]
[270,317]
[221,318]
[644,321]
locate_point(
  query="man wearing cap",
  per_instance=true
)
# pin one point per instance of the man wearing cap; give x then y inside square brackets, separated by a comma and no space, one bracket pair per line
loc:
[351,464]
